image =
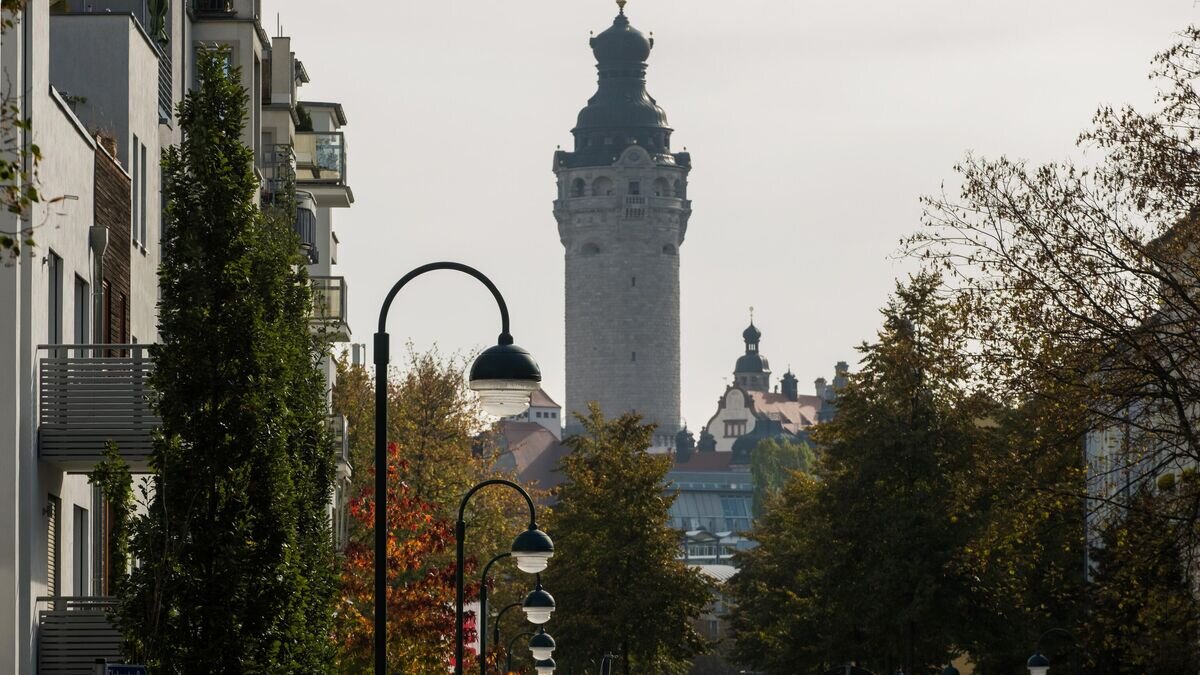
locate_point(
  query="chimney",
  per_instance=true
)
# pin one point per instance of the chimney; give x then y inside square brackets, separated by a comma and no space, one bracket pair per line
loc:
[790,386]
[820,385]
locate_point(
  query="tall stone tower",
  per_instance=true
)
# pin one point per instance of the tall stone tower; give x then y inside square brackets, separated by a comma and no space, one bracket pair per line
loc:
[622,212]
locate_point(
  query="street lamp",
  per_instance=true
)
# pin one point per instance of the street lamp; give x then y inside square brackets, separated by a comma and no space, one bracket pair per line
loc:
[498,375]
[538,605]
[542,645]
[1038,664]
[532,547]
[544,666]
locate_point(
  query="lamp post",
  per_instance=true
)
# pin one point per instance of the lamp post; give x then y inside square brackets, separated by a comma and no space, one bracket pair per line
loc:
[532,550]
[496,626]
[504,376]
[483,611]
[508,664]
[1038,664]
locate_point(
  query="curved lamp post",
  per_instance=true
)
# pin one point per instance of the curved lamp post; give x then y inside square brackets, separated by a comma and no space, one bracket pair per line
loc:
[496,623]
[531,549]
[483,611]
[504,376]
[1038,664]
[508,665]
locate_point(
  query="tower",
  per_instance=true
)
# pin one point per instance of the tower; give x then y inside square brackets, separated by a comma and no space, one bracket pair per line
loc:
[751,372]
[622,212]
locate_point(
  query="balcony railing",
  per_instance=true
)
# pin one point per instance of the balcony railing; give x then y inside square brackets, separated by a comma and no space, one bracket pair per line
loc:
[320,157]
[91,395]
[305,227]
[213,6]
[74,632]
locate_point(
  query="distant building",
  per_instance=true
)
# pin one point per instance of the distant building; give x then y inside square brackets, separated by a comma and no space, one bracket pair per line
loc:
[749,411]
[622,210]
[542,411]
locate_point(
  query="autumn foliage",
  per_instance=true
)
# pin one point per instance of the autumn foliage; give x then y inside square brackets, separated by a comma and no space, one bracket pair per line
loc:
[420,582]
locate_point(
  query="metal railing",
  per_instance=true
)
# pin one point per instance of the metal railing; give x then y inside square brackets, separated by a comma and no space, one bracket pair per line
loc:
[74,632]
[90,395]
[320,157]
[305,227]
[213,6]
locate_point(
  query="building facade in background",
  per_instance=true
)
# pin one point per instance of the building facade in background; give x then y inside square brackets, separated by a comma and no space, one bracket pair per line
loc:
[622,210]
[100,79]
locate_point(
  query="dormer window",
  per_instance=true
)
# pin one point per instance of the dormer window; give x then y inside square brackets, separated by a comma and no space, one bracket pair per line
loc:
[635,187]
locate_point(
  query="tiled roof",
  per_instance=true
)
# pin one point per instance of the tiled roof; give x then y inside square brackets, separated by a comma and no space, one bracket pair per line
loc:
[541,399]
[535,452]
[794,415]
[705,461]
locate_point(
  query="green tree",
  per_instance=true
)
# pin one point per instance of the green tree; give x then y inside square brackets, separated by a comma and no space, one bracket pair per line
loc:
[882,581]
[779,612]
[236,570]
[615,575]
[772,465]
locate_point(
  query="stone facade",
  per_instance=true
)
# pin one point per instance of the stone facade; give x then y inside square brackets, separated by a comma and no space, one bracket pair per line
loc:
[622,227]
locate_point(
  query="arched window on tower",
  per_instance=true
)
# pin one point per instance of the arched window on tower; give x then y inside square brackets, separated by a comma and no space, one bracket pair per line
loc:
[679,189]
[578,187]
[661,188]
[602,187]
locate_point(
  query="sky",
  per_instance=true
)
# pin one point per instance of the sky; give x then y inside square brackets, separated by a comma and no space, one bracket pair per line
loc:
[814,129]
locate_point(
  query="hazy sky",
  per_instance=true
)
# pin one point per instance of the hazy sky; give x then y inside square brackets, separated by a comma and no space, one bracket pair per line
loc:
[813,126]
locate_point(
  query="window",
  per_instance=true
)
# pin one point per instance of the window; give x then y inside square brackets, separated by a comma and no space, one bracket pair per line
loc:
[82,302]
[143,197]
[635,187]
[633,282]
[135,199]
[54,298]
[106,332]
[80,572]
[123,319]
[53,521]
[577,187]
[634,356]
[735,428]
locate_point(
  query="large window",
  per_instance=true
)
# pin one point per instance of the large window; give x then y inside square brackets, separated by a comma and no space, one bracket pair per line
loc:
[54,299]
[82,306]
[135,183]
[80,571]
[143,198]
[737,513]
[735,428]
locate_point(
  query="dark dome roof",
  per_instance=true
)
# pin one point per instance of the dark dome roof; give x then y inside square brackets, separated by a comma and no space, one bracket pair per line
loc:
[752,333]
[752,363]
[621,42]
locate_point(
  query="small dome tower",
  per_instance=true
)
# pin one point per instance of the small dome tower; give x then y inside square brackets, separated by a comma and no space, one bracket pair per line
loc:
[752,372]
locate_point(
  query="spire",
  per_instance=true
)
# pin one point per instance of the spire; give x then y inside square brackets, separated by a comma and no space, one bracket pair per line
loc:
[621,4]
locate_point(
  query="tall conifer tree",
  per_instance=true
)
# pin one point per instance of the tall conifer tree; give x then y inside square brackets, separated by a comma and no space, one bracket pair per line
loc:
[236,570]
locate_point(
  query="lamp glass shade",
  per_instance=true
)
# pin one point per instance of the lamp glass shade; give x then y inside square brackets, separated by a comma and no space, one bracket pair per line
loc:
[505,376]
[538,615]
[540,653]
[1038,664]
[544,666]
[1038,670]
[532,550]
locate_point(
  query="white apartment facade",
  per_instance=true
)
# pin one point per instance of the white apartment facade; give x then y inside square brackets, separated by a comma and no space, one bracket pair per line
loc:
[99,79]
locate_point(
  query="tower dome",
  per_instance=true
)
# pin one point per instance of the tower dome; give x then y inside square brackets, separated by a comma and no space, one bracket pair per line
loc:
[621,43]
[752,334]
[621,113]
[752,372]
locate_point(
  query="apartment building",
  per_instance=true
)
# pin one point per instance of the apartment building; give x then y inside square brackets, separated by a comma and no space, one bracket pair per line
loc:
[99,79]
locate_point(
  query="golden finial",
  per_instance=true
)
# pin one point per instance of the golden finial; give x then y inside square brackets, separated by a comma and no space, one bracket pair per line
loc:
[621,4]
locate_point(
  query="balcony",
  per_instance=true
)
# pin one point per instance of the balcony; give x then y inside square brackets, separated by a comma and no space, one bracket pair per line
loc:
[74,632]
[320,157]
[341,440]
[329,307]
[93,394]
[321,167]
[208,7]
